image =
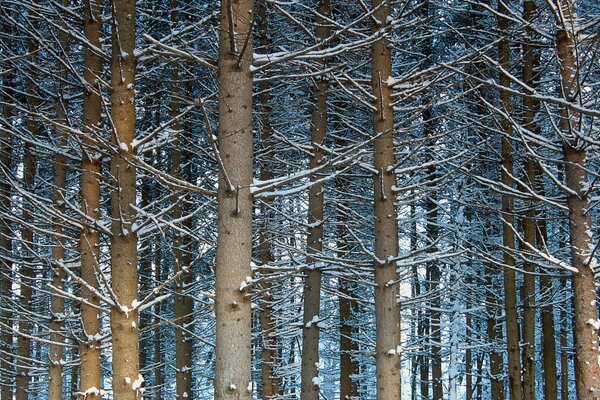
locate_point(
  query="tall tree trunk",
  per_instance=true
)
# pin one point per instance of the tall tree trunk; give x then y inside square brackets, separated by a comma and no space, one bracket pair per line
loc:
[387,310]
[234,243]
[270,380]
[530,109]
[27,275]
[57,305]
[127,380]
[183,342]
[586,323]
[548,330]
[158,359]
[6,265]
[564,343]
[347,301]
[310,382]
[494,334]
[90,386]
[508,235]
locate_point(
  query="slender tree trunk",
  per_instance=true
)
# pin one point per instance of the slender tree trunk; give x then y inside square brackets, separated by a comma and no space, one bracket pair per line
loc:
[158,359]
[90,385]
[494,334]
[347,302]
[548,332]
[27,274]
[57,305]
[183,343]
[312,286]
[530,109]
[127,381]
[6,265]
[387,310]
[508,235]
[234,244]
[564,343]
[270,380]
[586,322]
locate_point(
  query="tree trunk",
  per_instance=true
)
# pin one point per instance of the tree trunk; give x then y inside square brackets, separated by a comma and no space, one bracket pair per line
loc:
[57,302]
[127,380]
[312,286]
[7,382]
[90,386]
[530,109]
[508,235]
[494,334]
[347,301]
[234,243]
[586,322]
[27,276]
[387,310]
[270,380]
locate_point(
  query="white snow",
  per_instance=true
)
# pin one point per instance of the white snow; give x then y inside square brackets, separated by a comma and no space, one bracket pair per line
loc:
[317,381]
[595,323]
[390,82]
[137,384]
[314,320]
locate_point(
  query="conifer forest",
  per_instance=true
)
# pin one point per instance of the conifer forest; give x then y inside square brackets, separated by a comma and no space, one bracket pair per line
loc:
[299,199]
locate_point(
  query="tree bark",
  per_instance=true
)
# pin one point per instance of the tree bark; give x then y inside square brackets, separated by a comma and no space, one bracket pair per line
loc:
[127,381]
[234,243]
[27,275]
[387,310]
[508,235]
[90,385]
[7,382]
[57,302]
[586,322]
[310,383]
[270,380]
[530,109]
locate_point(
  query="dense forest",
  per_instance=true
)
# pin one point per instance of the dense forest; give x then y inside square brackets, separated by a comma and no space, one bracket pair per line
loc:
[299,199]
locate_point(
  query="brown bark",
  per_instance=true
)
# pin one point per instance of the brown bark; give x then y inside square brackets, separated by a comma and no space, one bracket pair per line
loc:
[89,375]
[27,275]
[126,380]
[314,245]
[183,313]
[508,235]
[6,266]
[349,347]
[585,323]
[57,305]
[494,333]
[530,109]
[270,380]
[564,343]
[387,310]
[234,243]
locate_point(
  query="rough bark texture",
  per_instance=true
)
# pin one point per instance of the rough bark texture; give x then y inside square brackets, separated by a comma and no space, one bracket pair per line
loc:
[90,205]
[57,303]
[508,235]
[234,243]
[27,275]
[530,109]
[349,346]
[126,380]
[387,310]
[6,265]
[181,255]
[270,380]
[585,323]
[314,245]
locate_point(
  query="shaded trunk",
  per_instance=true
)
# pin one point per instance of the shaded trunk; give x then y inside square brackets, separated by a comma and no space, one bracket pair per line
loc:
[387,310]
[27,274]
[314,246]
[585,322]
[90,205]
[57,302]
[127,381]
[530,109]
[270,380]
[234,243]
[508,235]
